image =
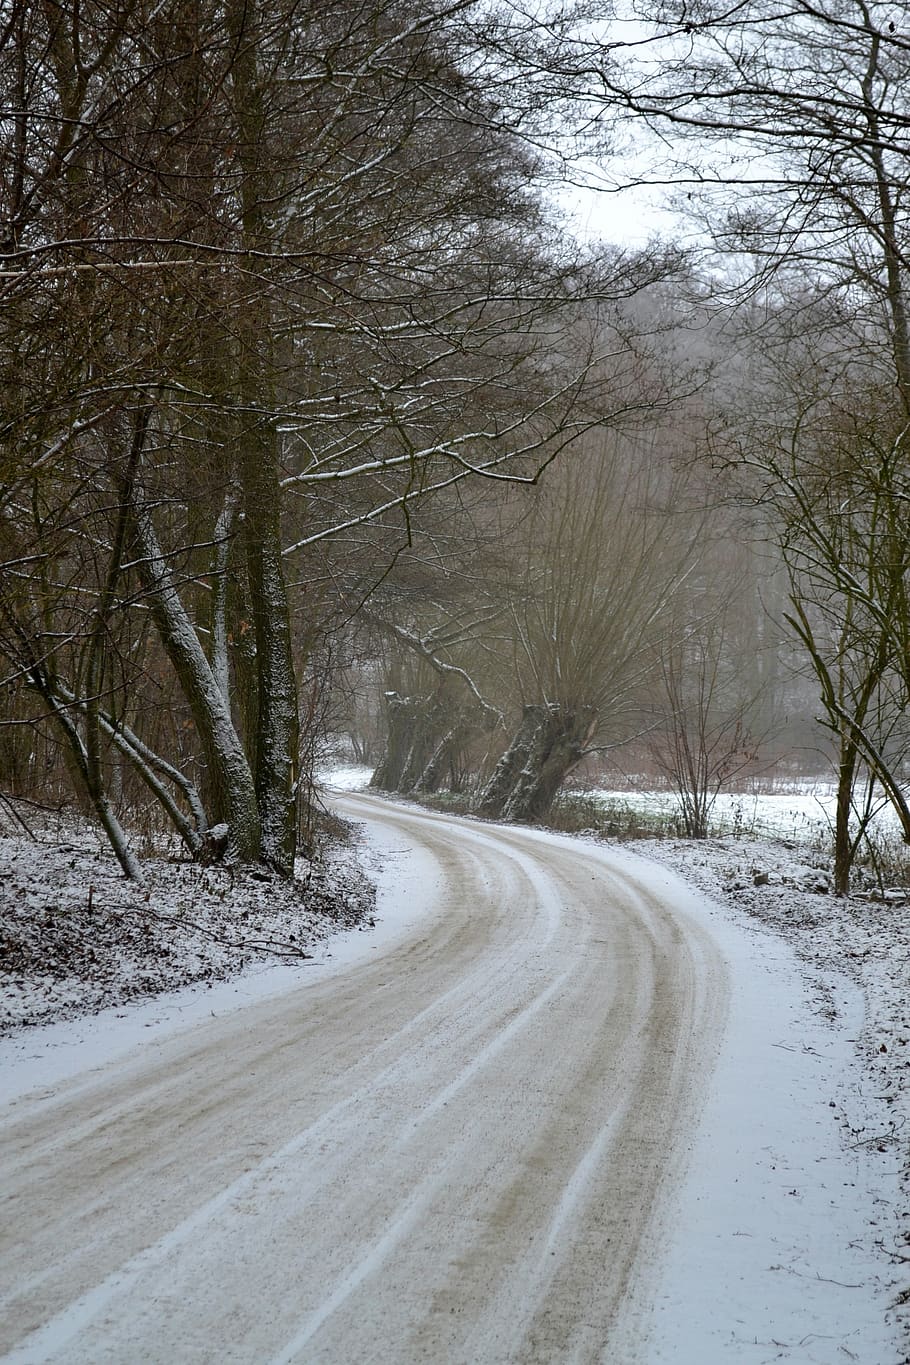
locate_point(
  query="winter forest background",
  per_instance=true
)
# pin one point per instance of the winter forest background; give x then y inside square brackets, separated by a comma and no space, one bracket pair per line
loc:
[318,419]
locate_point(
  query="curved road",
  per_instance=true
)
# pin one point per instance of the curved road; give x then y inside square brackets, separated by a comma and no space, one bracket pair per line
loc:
[457,1152]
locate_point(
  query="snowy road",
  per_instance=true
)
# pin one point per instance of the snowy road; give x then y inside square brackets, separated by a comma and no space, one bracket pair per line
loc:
[459,1150]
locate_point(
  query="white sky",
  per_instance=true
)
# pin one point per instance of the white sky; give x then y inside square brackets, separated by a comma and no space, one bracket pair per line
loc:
[626,217]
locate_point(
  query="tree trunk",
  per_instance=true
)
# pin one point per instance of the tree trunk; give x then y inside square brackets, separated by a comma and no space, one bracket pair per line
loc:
[90,777]
[278,723]
[224,531]
[233,789]
[550,742]
[430,780]
[844,847]
[151,767]
[410,733]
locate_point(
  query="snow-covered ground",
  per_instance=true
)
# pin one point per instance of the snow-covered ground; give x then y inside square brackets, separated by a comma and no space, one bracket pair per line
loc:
[795,1207]
[33,1057]
[794,1216]
[819,1198]
[798,812]
[76,937]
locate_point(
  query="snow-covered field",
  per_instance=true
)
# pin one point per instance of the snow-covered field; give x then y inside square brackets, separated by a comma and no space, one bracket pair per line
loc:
[800,812]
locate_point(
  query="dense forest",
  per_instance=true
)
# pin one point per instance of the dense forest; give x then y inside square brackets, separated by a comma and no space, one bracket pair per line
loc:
[318,418]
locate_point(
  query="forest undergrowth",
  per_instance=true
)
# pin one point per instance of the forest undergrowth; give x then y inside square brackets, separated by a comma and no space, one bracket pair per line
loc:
[77,937]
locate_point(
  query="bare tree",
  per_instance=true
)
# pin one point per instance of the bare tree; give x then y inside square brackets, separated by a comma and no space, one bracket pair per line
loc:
[281,279]
[849,564]
[601,558]
[703,738]
[784,130]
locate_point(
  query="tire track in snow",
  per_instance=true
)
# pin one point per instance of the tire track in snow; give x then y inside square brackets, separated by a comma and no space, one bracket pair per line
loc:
[461,1146]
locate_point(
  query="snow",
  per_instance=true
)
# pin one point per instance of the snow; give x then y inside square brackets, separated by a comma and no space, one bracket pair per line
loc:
[76,937]
[799,812]
[774,1251]
[347,777]
[790,1230]
[43,1056]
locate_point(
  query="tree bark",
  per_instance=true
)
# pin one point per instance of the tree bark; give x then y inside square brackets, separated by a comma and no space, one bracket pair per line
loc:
[233,788]
[278,723]
[224,531]
[844,847]
[277,758]
[89,775]
[405,719]
[549,743]
[430,780]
